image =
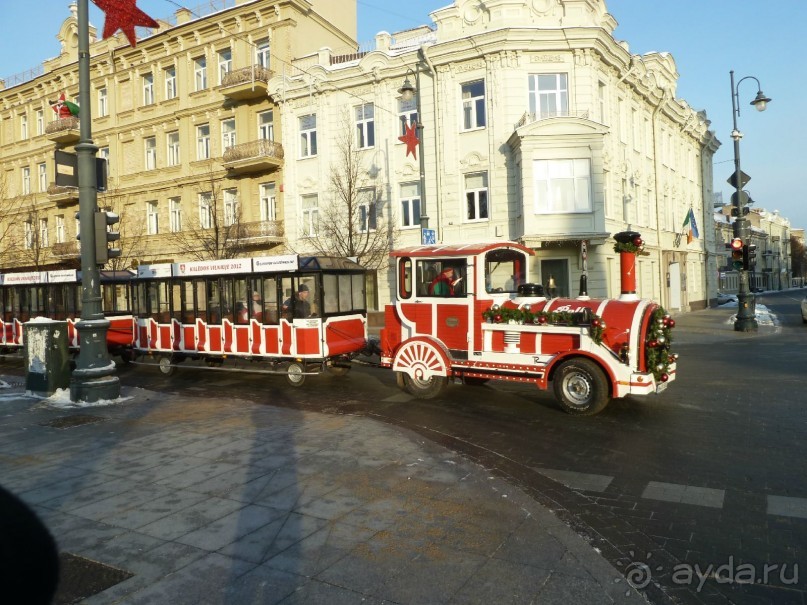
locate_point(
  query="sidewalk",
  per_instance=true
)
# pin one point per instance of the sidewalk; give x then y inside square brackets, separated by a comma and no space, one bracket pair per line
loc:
[178,499]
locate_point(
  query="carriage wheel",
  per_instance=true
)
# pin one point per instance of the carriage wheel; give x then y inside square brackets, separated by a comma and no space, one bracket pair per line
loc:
[424,369]
[166,366]
[295,374]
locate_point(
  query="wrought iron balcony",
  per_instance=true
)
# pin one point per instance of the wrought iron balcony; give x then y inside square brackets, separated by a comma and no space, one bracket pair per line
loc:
[63,130]
[246,83]
[255,156]
[66,250]
[260,232]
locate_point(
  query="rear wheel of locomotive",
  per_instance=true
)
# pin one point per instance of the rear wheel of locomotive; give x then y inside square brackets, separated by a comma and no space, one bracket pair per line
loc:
[295,374]
[425,388]
[581,387]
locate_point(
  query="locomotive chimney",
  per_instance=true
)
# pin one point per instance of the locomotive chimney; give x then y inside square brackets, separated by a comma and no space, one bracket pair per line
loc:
[628,244]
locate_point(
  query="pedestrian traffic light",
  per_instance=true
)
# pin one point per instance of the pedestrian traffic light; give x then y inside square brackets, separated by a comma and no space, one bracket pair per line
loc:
[104,237]
[736,246]
[749,256]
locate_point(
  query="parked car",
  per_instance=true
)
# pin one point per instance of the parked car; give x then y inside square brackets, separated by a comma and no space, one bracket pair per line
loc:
[804,309]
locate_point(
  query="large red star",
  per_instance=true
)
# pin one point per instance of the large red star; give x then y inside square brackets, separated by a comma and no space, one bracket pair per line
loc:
[411,140]
[125,16]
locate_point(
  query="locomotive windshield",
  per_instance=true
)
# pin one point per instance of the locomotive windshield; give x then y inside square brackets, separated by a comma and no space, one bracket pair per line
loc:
[505,270]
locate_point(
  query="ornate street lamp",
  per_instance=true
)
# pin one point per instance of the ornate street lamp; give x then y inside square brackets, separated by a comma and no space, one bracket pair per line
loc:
[746,318]
[408,92]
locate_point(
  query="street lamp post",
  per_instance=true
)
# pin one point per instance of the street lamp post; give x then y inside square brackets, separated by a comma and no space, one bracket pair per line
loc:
[407,93]
[94,377]
[746,319]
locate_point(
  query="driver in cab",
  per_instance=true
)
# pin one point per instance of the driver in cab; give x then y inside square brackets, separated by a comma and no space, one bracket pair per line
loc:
[445,283]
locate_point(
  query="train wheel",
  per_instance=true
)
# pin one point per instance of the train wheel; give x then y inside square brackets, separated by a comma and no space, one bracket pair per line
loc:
[339,370]
[423,367]
[581,387]
[295,374]
[166,366]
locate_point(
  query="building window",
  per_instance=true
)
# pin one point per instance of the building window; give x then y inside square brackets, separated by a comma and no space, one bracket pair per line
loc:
[43,233]
[206,210]
[152,218]
[367,210]
[23,126]
[230,207]
[148,89]
[473,105]
[310,215]
[262,53]
[170,83]
[175,214]
[562,186]
[365,126]
[266,126]
[268,202]
[407,113]
[103,109]
[28,241]
[26,180]
[150,145]
[103,153]
[225,63]
[227,134]
[61,236]
[476,196]
[203,142]
[43,177]
[40,121]
[410,205]
[549,95]
[601,102]
[173,148]
[308,136]
[200,73]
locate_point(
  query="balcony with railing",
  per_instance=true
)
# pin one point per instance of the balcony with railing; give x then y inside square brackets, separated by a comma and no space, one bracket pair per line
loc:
[530,116]
[62,196]
[246,83]
[65,250]
[260,232]
[63,130]
[262,155]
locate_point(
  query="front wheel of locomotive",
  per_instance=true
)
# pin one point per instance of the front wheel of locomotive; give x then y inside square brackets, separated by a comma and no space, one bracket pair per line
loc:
[295,374]
[422,369]
[424,388]
[581,387]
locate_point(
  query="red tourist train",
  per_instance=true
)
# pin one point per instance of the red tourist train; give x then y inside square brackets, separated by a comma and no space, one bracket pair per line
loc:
[466,311]
[461,312]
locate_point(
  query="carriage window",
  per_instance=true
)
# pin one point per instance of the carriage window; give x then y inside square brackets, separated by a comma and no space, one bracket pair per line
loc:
[214,306]
[330,285]
[139,302]
[176,301]
[72,294]
[158,301]
[242,301]
[359,293]
[345,293]
[405,277]
[188,313]
[37,301]
[442,278]
[269,301]
[301,297]
[200,310]
[107,298]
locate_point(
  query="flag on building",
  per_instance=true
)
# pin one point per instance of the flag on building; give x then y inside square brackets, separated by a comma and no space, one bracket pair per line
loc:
[64,108]
[691,226]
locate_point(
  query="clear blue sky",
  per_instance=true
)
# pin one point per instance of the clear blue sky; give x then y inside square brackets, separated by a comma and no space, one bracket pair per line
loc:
[707,39]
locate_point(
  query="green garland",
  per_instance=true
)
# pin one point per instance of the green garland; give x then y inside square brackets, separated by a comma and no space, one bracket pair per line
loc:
[631,247]
[596,325]
[657,345]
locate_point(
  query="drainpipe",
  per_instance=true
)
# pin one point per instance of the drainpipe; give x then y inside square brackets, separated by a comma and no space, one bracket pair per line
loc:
[435,137]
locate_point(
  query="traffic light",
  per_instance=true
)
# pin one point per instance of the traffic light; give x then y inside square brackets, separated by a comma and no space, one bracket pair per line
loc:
[749,256]
[737,254]
[103,237]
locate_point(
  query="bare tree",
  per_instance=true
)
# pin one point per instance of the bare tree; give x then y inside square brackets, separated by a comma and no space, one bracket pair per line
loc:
[8,207]
[32,235]
[352,222]
[216,231]
[798,257]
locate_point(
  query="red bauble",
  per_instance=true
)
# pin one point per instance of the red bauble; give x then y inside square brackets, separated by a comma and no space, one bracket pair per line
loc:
[637,241]
[652,344]
[542,320]
[665,377]
[595,323]
[497,318]
[671,323]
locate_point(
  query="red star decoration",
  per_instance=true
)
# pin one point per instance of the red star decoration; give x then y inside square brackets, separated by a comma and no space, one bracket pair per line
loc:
[125,16]
[411,140]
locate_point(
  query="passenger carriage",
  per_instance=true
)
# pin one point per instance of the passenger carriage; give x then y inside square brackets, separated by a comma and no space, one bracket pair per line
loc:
[493,324]
[57,295]
[248,310]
